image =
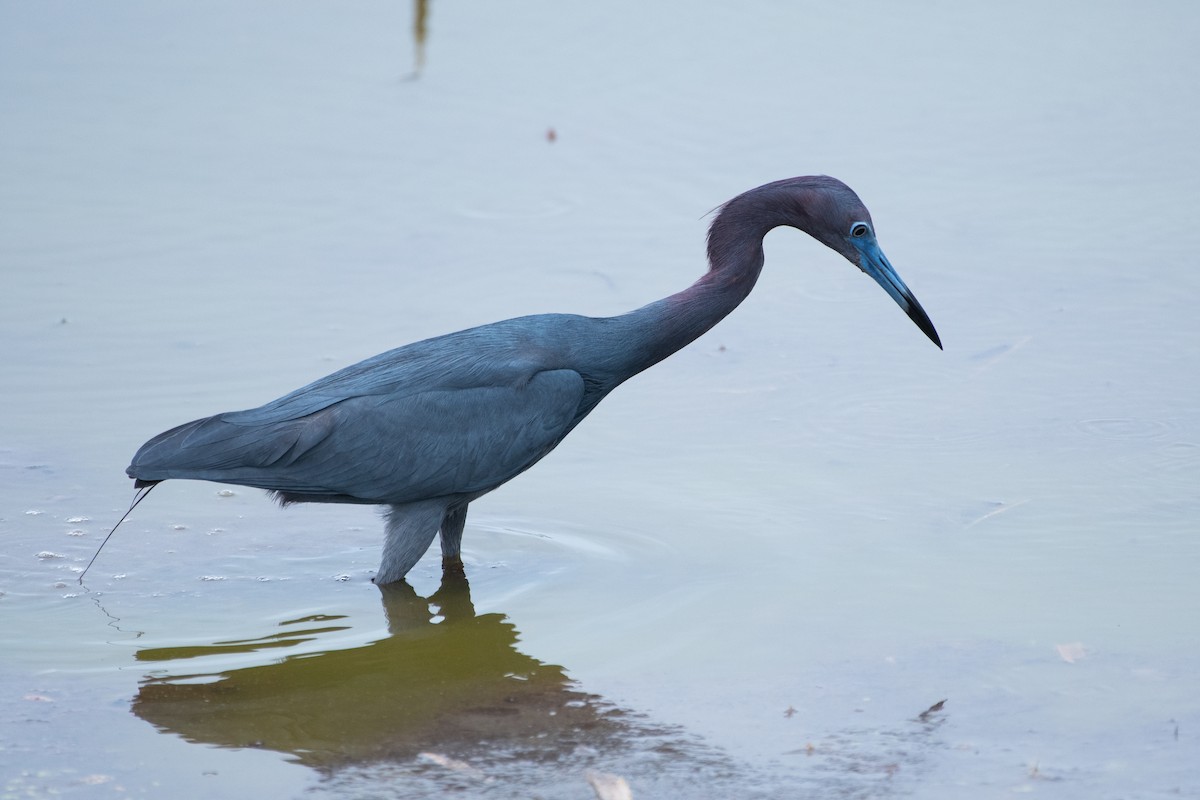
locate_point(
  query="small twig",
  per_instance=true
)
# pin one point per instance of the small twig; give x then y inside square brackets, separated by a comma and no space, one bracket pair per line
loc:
[929,712]
[994,512]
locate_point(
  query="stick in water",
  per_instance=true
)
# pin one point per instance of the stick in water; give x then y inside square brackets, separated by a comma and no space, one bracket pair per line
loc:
[138,497]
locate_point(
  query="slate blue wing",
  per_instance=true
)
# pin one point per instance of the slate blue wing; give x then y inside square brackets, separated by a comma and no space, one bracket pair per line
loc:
[377,448]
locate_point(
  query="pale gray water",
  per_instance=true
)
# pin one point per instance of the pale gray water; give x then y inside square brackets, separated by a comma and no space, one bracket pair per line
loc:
[760,561]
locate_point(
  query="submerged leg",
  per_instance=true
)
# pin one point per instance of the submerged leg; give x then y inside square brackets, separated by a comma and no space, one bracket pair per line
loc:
[410,530]
[452,531]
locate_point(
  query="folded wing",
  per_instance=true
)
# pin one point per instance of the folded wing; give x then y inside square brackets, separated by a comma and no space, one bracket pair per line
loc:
[398,444]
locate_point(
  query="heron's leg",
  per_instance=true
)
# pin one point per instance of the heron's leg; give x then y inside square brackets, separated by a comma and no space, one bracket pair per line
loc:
[452,531]
[410,530]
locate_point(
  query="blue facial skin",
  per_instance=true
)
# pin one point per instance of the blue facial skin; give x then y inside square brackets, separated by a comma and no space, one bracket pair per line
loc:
[872,261]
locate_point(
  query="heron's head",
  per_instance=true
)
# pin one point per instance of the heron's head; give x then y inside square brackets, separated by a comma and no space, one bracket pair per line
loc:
[830,212]
[824,208]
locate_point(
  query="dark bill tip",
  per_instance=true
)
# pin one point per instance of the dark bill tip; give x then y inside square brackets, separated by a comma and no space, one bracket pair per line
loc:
[918,315]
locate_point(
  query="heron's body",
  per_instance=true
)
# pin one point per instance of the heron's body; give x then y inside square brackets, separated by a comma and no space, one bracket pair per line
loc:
[428,427]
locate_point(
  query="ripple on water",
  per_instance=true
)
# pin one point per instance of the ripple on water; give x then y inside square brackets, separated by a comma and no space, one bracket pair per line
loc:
[1146,449]
[866,418]
[575,542]
[1147,467]
[1156,466]
[1179,456]
[1127,428]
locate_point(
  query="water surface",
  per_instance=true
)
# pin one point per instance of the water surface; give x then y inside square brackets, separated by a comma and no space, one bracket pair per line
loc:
[751,570]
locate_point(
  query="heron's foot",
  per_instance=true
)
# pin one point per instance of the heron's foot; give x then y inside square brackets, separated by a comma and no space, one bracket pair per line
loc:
[453,565]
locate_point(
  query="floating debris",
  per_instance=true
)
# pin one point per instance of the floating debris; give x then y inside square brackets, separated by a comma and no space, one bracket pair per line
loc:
[609,787]
[1071,652]
[933,709]
[451,764]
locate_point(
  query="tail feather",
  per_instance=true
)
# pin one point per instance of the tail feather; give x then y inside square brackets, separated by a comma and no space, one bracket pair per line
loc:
[217,450]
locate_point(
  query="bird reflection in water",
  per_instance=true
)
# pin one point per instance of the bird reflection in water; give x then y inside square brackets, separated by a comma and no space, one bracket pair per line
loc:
[444,679]
[447,681]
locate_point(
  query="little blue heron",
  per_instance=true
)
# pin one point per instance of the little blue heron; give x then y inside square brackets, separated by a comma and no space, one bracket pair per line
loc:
[429,427]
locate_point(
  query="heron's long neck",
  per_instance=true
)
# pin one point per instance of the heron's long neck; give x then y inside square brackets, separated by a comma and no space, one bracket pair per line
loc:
[735,254]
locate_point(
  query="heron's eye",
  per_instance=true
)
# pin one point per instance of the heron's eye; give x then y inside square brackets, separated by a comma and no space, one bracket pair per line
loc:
[859,229]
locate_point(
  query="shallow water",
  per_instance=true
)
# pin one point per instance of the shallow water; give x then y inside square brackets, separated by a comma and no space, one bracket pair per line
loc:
[753,567]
